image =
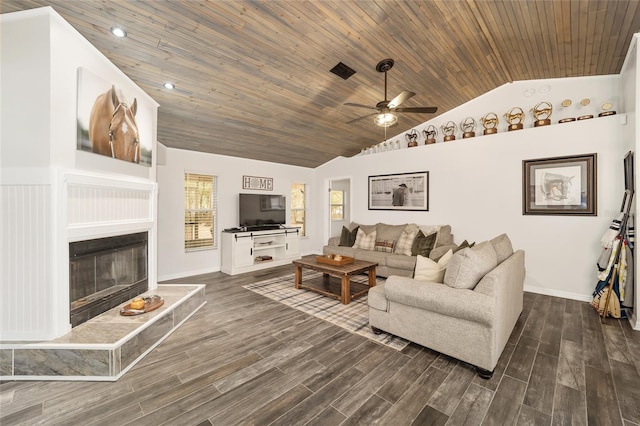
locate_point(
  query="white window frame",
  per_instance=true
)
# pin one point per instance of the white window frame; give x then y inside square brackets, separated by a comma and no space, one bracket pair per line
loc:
[303,231]
[213,209]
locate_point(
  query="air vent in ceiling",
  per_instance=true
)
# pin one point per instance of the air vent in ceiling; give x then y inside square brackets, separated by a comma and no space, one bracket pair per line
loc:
[341,70]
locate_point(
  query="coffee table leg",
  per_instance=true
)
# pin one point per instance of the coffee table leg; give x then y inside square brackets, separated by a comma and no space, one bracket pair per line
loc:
[372,277]
[346,290]
[298,278]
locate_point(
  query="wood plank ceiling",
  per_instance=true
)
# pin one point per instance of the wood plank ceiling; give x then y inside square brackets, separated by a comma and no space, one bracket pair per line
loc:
[252,77]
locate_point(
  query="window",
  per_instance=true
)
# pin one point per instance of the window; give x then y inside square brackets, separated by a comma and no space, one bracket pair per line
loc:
[337,205]
[200,203]
[298,207]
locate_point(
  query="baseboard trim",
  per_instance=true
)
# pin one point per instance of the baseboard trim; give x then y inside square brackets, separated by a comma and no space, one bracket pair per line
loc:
[558,293]
[187,274]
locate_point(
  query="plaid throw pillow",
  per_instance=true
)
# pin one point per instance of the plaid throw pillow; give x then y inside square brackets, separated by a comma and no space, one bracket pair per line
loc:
[384,245]
[405,242]
[364,241]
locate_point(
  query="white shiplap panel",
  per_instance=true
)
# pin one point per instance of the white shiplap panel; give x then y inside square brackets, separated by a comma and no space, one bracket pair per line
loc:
[26,262]
[94,205]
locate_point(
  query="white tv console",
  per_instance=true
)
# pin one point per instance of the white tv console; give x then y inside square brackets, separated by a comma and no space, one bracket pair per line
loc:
[243,251]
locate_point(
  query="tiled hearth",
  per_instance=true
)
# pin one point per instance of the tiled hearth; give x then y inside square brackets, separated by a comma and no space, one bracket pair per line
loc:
[105,347]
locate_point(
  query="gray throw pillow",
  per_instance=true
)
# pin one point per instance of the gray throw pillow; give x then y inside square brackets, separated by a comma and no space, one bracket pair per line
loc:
[502,245]
[347,238]
[423,244]
[467,267]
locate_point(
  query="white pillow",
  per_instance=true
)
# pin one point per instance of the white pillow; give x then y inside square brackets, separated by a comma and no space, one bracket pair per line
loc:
[430,270]
[364,241]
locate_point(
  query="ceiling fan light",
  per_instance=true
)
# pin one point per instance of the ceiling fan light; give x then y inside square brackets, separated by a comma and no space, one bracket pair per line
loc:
[385,119]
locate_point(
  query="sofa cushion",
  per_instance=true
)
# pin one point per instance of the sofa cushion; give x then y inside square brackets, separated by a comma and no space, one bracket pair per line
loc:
[429,270]
[365,241]
[347,237]
[389,232]
[405,241]
[467,267]
[342,251]
[371,256]
[400,261]
[423,244]
[502,245]
[462,245]
[386,246]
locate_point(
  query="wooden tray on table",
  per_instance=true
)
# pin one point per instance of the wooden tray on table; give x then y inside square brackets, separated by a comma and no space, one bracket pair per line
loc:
[331,261]
[151,303]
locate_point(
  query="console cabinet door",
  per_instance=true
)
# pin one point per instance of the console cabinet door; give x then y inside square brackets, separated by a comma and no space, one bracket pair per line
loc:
[292,246]
[243,251]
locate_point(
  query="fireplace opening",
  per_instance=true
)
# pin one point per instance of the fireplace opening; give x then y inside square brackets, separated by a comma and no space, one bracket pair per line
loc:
[105,272]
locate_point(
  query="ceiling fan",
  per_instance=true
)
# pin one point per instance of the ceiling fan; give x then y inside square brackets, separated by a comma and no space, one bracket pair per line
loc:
[386,109]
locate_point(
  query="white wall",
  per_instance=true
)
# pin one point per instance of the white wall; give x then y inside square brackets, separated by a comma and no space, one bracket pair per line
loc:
[41,54]
[173,261]
[476,186]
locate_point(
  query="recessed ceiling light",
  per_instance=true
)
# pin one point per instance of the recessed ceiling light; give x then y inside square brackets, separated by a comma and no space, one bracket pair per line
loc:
[118,32]
[169,86]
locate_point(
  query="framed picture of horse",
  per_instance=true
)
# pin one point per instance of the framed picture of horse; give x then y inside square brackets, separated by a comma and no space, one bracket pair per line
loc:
[111,122]
[560,186]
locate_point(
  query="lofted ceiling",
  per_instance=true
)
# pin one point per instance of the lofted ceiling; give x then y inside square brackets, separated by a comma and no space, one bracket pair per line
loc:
[252,77]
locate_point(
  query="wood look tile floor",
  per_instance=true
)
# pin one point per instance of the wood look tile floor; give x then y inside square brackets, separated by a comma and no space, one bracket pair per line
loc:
[245,359]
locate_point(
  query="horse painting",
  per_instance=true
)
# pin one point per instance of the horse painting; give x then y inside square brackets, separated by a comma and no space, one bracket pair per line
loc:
[112,127]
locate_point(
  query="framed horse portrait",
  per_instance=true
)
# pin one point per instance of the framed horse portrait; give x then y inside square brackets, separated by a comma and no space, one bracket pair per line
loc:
[560,186]
[111,122]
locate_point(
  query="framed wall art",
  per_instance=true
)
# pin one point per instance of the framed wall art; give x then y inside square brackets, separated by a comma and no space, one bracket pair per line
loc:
[402,191]
[111,121]
[256,182]
[560,186]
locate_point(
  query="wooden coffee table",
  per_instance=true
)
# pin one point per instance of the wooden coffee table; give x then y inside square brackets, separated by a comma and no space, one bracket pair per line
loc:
[343,272]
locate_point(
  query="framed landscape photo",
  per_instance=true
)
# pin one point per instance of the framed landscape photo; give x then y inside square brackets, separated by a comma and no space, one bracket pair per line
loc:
[402,191]
[560,186]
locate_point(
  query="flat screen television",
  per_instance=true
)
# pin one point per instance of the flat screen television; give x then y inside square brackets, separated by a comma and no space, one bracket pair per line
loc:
[259,211]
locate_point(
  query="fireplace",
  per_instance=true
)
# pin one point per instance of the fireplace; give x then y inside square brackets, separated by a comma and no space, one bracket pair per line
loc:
[105,272]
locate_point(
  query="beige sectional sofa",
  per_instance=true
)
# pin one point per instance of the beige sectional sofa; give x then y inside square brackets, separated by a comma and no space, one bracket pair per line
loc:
[469,316]
[392,262]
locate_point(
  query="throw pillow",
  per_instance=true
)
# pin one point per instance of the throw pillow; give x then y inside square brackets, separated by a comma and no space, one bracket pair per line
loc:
[364,241]
[502,245]
[348,238]
[467,267]
[423,244]
[432,271]
[462,245]
[384,245]
[389,232]
[405,242]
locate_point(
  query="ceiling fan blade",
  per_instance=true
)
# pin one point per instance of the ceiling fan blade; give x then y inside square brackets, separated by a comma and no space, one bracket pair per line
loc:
[427,110]
[360,118]
[400,98]
[359,105]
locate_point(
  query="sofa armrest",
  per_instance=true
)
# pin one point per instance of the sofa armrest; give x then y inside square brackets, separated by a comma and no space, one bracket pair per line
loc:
[334,241]
[435,297]
[505,285]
